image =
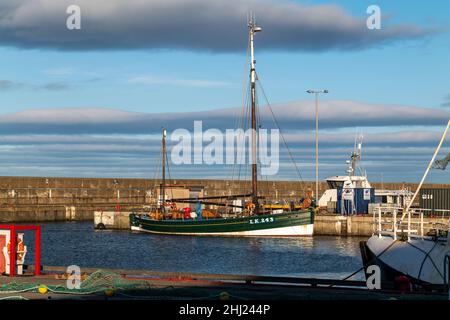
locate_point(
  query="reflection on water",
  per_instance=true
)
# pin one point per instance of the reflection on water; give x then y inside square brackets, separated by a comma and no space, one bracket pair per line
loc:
[78,243]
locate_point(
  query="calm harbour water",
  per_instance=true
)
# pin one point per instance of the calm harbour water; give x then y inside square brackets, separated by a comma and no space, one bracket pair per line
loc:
[64,244]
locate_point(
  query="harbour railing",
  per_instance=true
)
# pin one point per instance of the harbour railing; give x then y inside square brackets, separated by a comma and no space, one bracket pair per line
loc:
[418,222]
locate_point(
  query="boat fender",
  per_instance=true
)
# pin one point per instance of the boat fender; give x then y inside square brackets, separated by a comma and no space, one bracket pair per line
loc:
[100,226]
[42,289]
[109,292]
[402,283]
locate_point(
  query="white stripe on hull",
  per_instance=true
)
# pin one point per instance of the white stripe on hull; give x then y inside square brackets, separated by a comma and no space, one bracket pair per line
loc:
[293,231]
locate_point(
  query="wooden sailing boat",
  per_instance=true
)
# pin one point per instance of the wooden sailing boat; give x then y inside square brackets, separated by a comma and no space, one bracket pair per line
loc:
[258,221]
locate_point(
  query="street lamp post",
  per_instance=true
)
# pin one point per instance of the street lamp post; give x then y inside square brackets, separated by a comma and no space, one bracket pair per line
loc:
[316,94]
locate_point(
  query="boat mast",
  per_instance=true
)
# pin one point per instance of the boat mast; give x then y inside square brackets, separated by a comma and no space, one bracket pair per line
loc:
[253,28]
[162,190]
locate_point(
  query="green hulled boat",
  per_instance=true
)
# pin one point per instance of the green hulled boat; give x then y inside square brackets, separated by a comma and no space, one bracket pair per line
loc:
[296,223]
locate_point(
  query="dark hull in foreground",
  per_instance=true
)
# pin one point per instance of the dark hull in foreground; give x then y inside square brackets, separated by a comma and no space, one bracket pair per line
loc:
[420,260]
[296,223]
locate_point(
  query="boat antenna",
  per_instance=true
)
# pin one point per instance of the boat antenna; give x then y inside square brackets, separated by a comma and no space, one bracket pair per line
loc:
[253,28]
[355,157]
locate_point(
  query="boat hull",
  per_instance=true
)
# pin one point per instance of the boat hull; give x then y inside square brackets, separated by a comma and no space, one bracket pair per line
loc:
[422,260]
[289,224]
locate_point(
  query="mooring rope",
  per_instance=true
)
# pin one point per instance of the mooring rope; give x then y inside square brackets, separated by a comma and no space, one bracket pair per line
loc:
[367,264]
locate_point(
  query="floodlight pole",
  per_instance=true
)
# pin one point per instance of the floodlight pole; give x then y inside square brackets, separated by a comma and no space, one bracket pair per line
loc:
[316,94]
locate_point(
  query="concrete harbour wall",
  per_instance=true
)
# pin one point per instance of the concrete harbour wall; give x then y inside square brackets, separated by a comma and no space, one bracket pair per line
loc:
[39,199]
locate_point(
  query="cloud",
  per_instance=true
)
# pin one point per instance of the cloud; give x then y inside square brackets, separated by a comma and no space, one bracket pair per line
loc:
[446,103]
[54,86]
[113,143]
[291,116]
[398,156]
[151,80]
[8,85]
[65,71]
[378,139]
[51,86]
[218,26]
[136,159]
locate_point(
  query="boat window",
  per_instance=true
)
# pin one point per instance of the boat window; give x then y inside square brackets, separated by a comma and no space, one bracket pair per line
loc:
[335,184]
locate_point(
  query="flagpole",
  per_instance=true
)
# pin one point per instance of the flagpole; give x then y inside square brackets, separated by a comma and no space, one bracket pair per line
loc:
[405,212]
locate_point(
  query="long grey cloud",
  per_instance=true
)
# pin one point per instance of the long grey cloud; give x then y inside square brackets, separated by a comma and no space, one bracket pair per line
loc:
[217,25]
[291,116]
[6,85]
[418,138]
[397,155]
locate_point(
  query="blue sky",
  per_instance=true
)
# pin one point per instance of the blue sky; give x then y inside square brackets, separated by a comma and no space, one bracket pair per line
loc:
[47,69]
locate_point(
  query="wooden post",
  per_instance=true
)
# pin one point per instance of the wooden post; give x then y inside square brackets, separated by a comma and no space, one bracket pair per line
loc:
[421,223]
[37,253]
[409,224]
[395,224]
[379,222]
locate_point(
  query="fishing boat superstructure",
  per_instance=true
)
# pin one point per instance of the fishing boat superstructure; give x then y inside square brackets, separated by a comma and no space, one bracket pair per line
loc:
[356,178]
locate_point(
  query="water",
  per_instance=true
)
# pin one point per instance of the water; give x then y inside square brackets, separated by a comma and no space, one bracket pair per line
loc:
[64,244]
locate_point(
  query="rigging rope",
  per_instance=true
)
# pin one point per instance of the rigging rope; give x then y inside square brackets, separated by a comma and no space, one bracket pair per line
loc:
[281,133]
[168,173]
[239,120]
[368,263]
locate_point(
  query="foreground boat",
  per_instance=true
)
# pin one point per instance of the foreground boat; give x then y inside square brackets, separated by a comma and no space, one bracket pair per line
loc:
[421,259]
[299,223]
[406,247]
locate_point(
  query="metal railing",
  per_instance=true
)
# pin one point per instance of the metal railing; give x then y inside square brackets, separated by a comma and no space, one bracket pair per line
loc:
[417,223]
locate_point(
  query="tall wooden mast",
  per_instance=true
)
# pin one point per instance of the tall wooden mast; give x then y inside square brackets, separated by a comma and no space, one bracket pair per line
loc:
[162,190]
[253,28]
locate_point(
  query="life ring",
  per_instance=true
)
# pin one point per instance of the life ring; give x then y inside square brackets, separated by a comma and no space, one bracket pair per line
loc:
[20,249]
[306,203]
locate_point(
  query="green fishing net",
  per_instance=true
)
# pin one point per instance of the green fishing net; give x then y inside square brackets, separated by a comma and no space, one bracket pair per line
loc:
[97,282]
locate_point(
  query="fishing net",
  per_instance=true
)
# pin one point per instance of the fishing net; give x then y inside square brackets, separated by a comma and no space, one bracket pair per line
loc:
[97,282]
[102,281]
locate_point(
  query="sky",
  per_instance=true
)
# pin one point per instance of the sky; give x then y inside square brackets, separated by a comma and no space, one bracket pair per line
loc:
[91,102]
